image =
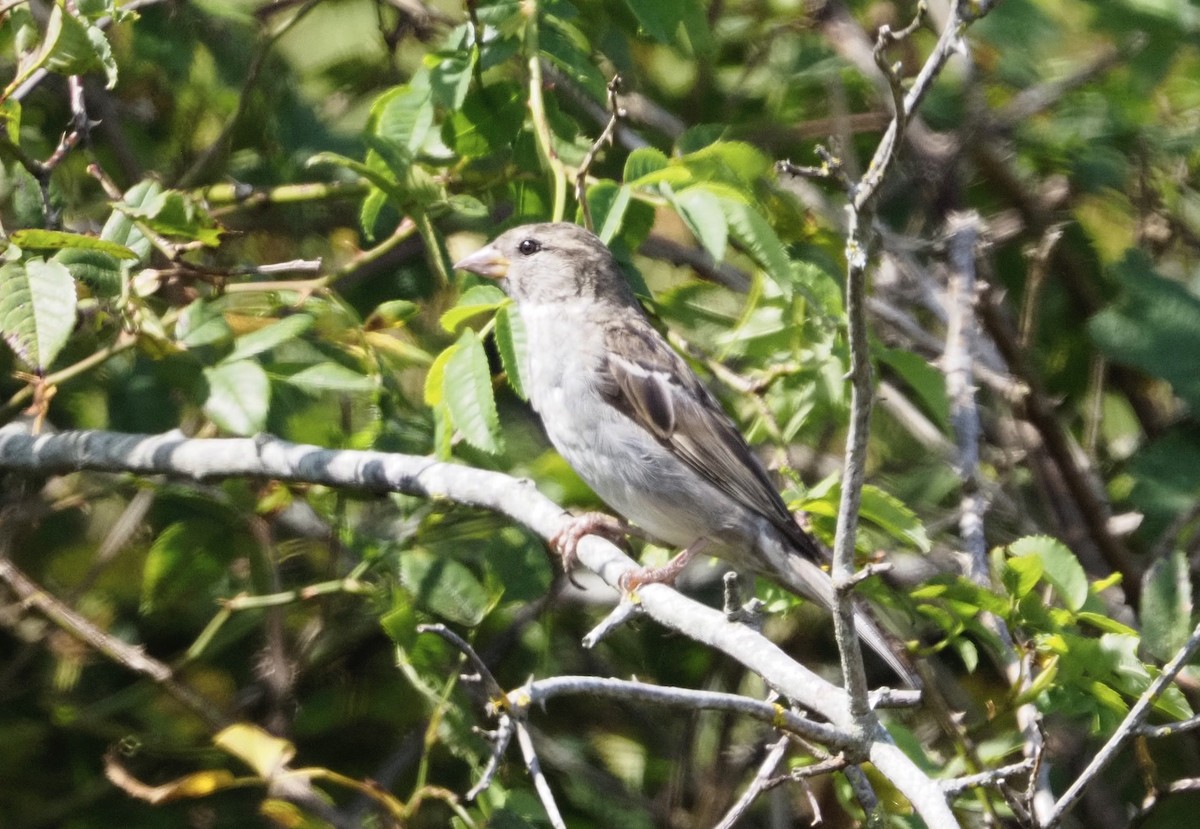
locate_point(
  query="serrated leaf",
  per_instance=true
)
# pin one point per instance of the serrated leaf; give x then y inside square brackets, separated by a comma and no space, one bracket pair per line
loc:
[202,324]
[757,236]
[702,213]
[435,378]
[37,309]
[450,76]
[891,515]
[121,229]
[98,270]
[402,117]
[486,123]
[608,202]
[642,162]
[1062,570]
[467,386]
[1020,574]
[38,239]
[239,395]
[511,343]
[270,336]
[368,212]
[72,46]
[476,300]
[172,213]
[446,587]
[328,376]
[1166,610]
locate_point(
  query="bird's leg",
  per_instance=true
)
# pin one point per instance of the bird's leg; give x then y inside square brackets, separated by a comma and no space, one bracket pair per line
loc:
[662,575]
[565,542]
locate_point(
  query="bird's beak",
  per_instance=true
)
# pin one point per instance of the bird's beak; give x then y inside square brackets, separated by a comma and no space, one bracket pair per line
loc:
[486,261]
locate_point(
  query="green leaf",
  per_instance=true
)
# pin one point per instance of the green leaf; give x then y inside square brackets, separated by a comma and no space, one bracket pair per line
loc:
[704,215]
[402,117]
[121,229]
[37,310]
[734,163]
[1020,574]
[1105,624]
[661,19]
[239,395]
[10,114]
[380,179]
[511,343]
[186,557]
[928,382]
[758,238]
[479,299]
[390,314]
[37,239]
[270,336]
[608,203]
[435,379]
[327,376]
[1122,332]
[642,162]
[202,324]
[175,214]
[450,76]
[1166,609]
[445,587]
[1062,570]
[488,121]
[468,394]
[98,270]
[892,516]
[75,46]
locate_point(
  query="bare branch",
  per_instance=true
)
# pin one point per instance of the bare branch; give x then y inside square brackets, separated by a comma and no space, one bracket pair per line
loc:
[271,458]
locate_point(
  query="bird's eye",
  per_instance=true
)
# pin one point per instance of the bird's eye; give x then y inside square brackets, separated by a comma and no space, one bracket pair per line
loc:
[528,247]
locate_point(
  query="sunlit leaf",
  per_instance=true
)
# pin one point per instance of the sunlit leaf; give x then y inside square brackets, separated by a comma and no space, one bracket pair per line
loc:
[511,343]
[468,394]
[1062,569]
[260,750]
[37,309]
[476,300]
[239,395]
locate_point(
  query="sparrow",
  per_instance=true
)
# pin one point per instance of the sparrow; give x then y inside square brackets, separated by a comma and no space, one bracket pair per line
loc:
[639,426]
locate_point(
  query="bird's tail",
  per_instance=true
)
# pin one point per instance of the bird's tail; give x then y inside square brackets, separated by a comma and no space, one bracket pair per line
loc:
[803,577]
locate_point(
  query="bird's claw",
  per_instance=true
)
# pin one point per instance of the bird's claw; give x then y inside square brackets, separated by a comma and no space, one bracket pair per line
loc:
[565,542]
[633,579]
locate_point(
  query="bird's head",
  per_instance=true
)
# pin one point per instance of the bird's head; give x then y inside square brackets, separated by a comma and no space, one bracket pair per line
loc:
[552,262]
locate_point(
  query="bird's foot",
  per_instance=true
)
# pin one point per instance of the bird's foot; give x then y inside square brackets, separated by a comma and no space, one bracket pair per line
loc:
[565,542]
[662,575]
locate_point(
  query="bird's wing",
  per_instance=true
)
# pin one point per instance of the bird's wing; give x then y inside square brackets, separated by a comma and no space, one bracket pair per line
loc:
[651,384]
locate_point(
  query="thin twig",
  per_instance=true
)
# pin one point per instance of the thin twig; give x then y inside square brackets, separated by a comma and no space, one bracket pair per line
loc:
[1128,729]
[129,656]
[605,138]
[757,786]
[987,778]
